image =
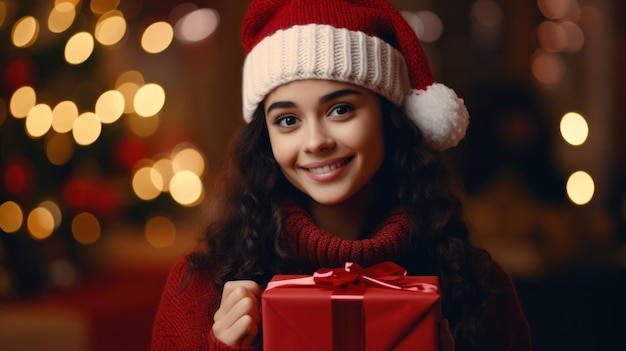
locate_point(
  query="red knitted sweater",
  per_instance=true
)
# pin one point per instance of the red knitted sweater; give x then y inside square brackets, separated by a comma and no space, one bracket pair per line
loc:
[185,316]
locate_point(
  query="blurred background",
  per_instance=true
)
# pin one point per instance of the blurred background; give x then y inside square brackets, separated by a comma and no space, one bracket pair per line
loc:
[115,114]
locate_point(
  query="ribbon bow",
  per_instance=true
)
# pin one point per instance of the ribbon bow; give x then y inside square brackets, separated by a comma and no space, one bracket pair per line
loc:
[386,275]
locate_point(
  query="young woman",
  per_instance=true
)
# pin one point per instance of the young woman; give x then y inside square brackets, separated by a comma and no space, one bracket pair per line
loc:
[340,162]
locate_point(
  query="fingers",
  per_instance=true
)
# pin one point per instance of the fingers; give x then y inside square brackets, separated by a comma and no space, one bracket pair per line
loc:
[236,321]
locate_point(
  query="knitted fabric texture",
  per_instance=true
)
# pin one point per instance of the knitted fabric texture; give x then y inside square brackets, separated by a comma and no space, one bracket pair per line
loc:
[184,318]
[366,43]
[319,248]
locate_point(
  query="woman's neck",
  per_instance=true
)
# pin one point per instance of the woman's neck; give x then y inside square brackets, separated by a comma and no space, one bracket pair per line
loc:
[347,219]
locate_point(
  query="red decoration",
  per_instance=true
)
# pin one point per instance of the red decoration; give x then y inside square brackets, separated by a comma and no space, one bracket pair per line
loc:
[18,177]
[129,151]
[101,197]
[19,71]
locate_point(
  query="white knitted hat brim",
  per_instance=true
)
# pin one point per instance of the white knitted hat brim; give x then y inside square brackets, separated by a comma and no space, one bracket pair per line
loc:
[318,51]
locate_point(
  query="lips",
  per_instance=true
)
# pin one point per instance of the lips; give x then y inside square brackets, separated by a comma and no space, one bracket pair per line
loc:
[326,167]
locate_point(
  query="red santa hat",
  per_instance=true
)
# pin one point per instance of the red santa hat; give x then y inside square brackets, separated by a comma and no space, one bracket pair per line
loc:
[366,42]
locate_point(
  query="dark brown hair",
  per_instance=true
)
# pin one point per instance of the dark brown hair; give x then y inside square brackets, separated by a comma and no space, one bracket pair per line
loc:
[245,218]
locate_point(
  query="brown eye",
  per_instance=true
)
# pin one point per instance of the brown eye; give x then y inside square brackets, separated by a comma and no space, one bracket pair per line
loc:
[286,121]
[340,110]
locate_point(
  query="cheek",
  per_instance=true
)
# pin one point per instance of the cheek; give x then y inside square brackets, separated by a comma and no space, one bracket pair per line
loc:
[283,150]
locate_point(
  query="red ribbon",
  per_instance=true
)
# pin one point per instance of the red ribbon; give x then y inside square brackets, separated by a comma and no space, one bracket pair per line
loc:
[385,275]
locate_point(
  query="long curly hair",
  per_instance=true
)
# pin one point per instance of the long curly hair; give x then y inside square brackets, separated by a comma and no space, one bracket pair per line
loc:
[245,218]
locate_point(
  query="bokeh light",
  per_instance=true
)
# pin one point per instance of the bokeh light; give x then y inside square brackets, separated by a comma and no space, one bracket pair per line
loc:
[100,7]
[580,188]
[166,170]
[575,36]
[38,120]
[574,128]
[487,12]
[11,217]
[64,115]
[54,210]
[157,37]
[554,9]
[3,13]
[110,106]
[22,100]
[128,91]
[111,28]
[78,48]
[551,36]
[61,17]
[160,232]
[86,228]
[131,76]
[149,100]
[196,25]
[87,128]
[187,157]
[186,188]
[143,126]
[426,25]
[40,223]
[25,32]
[59,148]
[547,68]
[147,183]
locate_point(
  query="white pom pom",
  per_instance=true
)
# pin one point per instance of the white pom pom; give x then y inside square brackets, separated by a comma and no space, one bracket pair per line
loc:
[439,113]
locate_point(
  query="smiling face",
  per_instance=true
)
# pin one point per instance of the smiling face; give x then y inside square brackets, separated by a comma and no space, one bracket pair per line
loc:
[326,136]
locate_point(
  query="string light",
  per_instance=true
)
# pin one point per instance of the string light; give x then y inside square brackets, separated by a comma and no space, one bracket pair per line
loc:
[11,217]
[580,188]
[110,106]
[157,37]
[64,115]
[149,100]
[86,228]
[22,100]
[25,32]
[186,188]
[61,17]
[574,128]
[178,172]
[40,223]
[78,48]
[147,183]
[59,148]
[110,28]
[196,25]
[39,120]
[87,128]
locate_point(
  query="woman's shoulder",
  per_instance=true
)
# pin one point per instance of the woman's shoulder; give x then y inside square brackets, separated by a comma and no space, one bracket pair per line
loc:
[185,313]
[186,278]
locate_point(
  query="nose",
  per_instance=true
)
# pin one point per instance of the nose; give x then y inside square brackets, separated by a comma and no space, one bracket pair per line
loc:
[318,138]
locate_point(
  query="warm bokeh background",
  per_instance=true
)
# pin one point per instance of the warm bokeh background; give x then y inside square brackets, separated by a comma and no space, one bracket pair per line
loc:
[115,114]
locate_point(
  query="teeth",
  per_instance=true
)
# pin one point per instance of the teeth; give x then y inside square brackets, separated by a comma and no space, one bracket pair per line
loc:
[326,169]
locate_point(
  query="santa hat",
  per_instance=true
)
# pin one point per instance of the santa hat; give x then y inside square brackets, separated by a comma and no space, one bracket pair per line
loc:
[367,43]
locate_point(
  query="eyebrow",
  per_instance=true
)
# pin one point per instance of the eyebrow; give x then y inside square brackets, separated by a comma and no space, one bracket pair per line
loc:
[328,97]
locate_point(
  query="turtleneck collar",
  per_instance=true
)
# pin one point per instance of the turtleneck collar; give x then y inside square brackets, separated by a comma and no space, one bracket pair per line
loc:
[316,247]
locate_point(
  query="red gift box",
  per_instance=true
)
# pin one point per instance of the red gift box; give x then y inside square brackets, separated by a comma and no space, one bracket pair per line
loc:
[352,309]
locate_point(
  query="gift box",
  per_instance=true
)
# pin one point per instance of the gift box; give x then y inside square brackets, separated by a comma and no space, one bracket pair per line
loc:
[352,309]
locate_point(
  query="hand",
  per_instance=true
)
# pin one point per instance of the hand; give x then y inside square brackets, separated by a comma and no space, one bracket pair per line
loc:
[237,320]
[446,340]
